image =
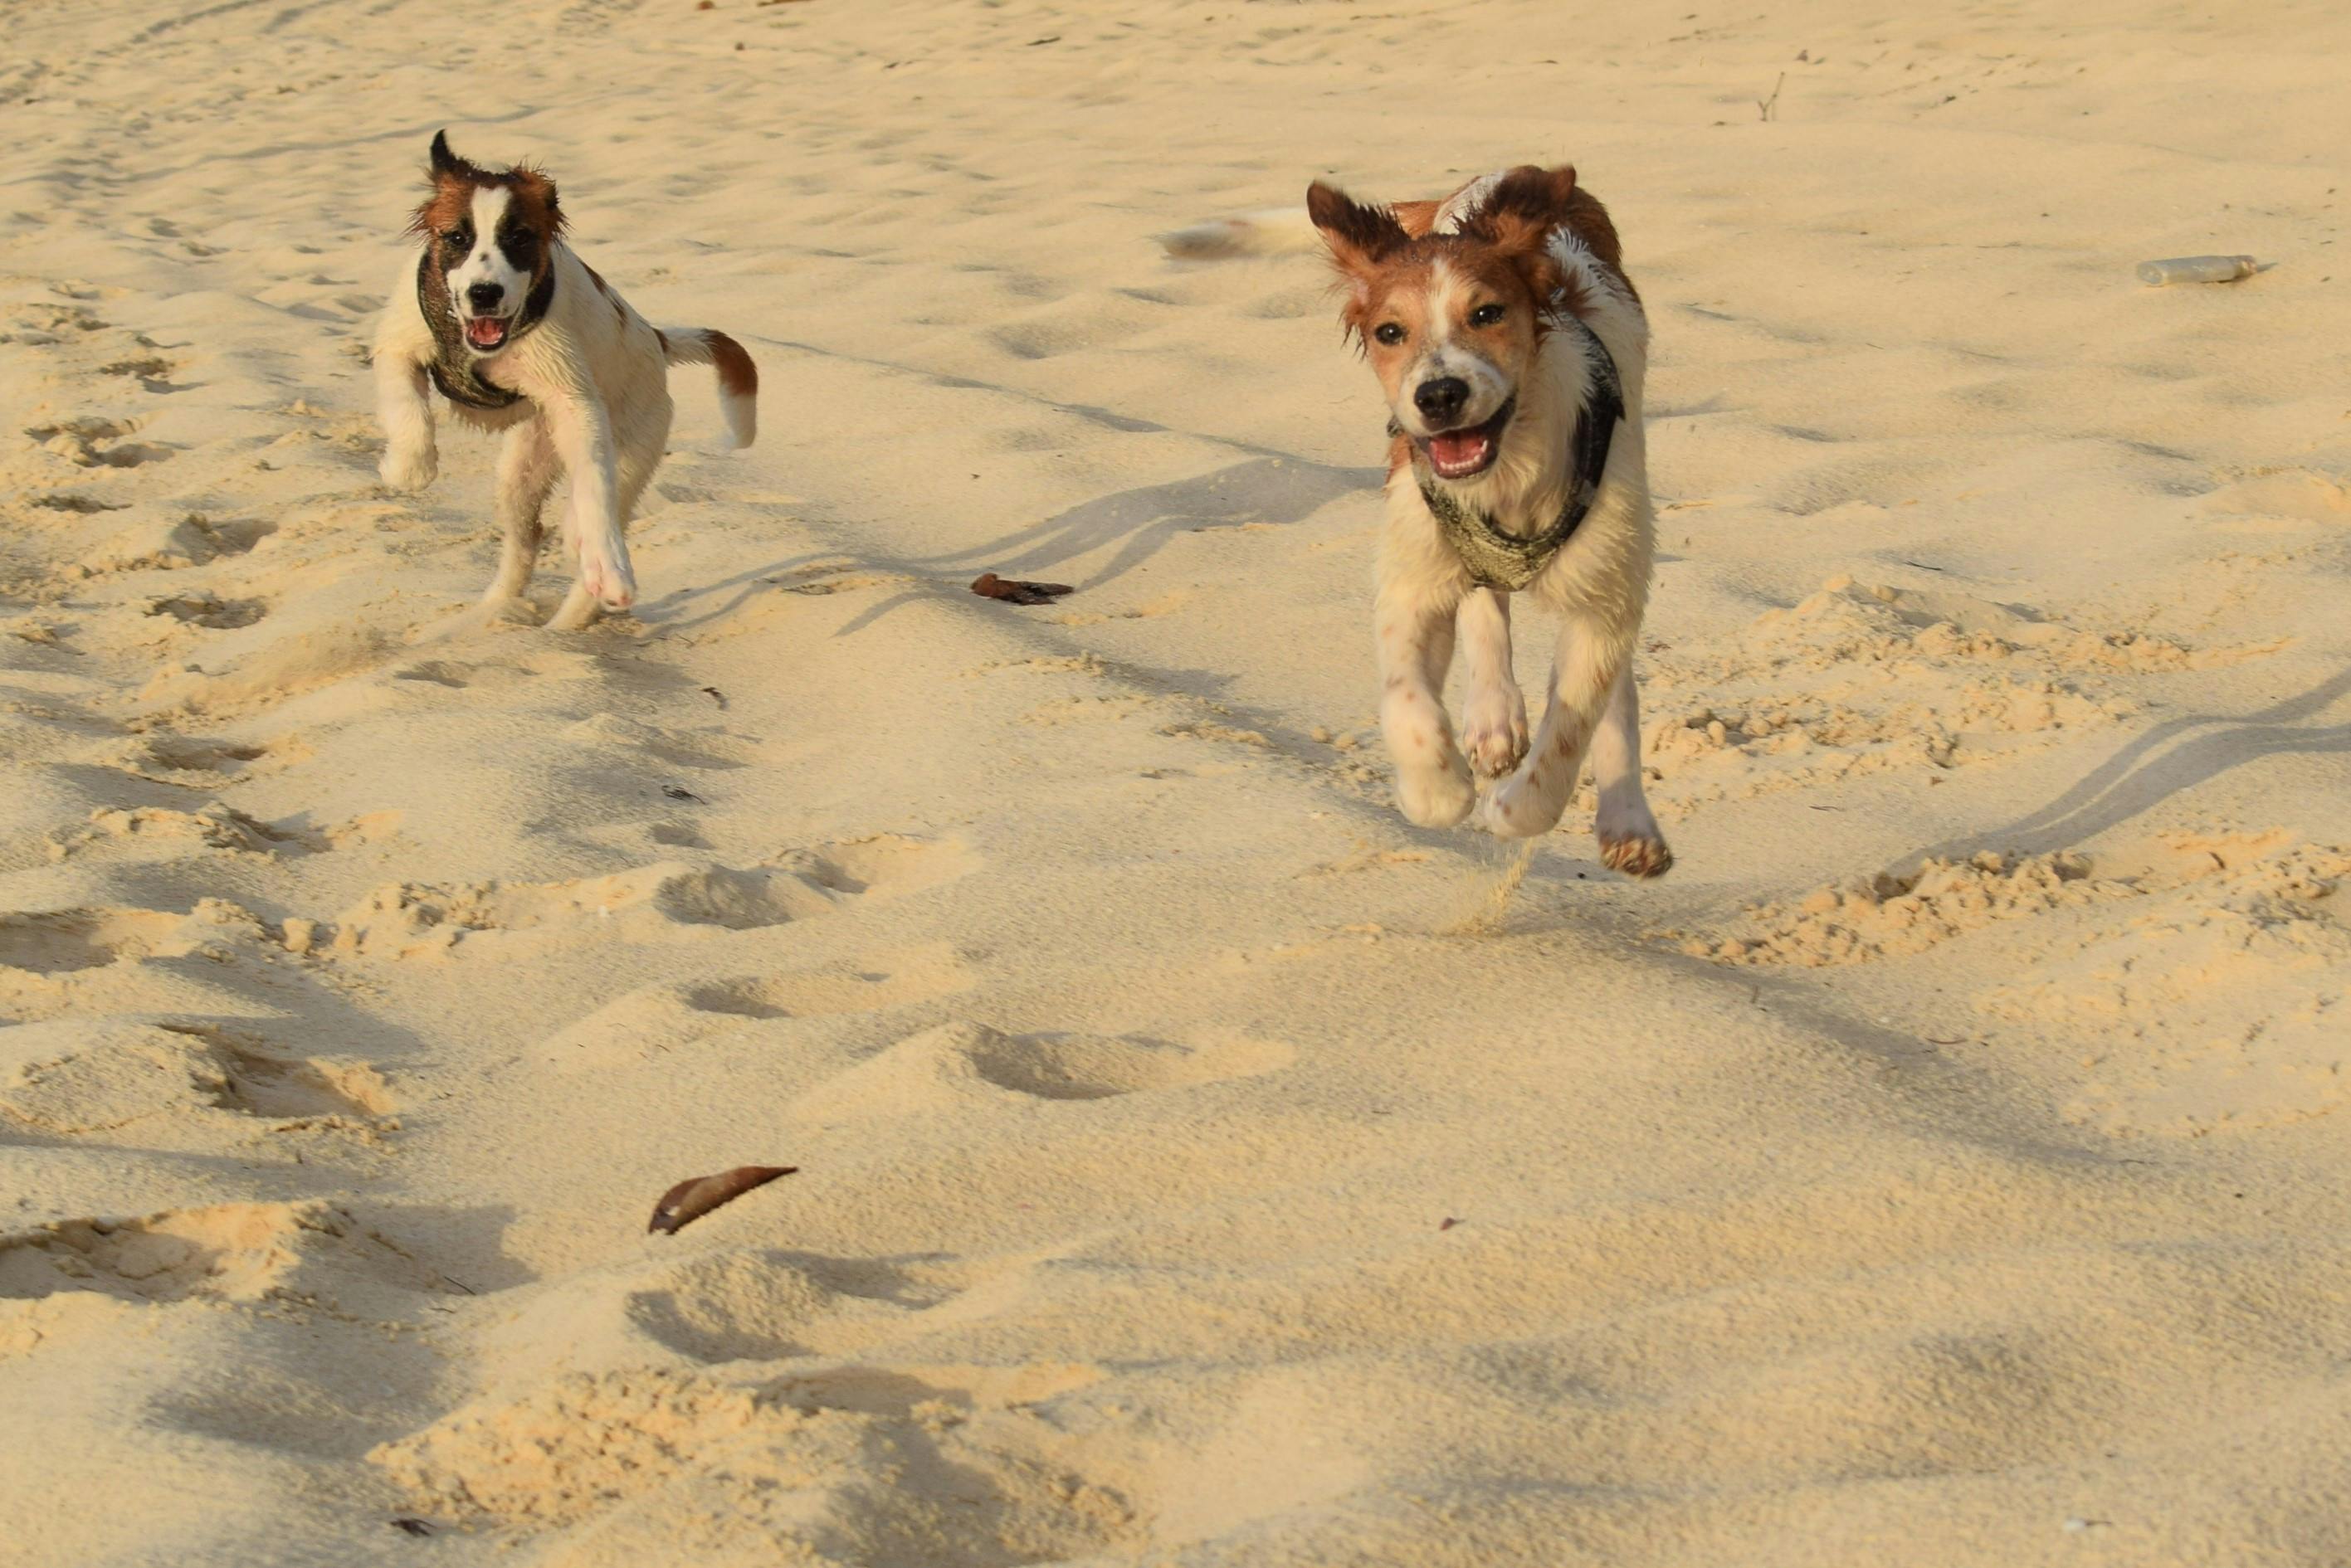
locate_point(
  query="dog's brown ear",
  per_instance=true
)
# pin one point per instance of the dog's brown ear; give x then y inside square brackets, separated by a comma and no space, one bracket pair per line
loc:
[446,165]
[449,176]
[1359,236]
[537,190]
[1524,206]
[1518,218]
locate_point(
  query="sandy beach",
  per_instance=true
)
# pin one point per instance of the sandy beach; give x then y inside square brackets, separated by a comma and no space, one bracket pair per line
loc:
[1198,1165]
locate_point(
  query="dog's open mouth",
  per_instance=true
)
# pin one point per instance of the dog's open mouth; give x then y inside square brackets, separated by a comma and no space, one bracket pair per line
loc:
[485,332]
[1464,453]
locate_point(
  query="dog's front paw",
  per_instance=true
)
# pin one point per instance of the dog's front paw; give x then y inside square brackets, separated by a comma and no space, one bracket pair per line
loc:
[1629,839]
[409,468]
[605,573]
[1516,808]
[1642,857]
[1494,732]
[1435,797]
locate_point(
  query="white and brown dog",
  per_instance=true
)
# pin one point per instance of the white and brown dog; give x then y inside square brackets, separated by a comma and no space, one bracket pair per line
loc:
[1511,347]
[519,334]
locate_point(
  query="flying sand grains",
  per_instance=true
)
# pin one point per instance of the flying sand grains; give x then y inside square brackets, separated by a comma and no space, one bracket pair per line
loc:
[1491,904]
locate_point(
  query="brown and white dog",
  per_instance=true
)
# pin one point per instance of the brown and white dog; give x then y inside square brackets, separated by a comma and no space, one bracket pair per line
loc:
[519,334]
[1511,347]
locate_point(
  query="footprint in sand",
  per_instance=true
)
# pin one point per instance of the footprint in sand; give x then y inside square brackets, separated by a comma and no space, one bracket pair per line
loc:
[768,1304]
[97,961]
[2210,1003]
[78,1075]
[77,503]
[956,1065]
[153,372]
[494,674]
[1861,677]
[654,1019]
[845,988]
[200,607]
[884,865]
[280,1253]
[677,836]
[85,442]
[60,941]
[44,324]
[161,831]
[269,676]
[175,542]
[670,1451]
[165,752]
[703,750]
[1096,1067]
[411,920]
[437,672]
[653,903]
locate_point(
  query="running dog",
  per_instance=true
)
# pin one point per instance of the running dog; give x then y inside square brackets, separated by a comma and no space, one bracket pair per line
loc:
[519,334]
[1511,347]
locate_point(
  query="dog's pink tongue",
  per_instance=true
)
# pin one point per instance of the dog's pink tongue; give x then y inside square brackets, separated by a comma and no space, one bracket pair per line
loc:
[1457,449]
[485,332]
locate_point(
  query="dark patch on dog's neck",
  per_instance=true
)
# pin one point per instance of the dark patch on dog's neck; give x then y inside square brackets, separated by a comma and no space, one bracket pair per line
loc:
[455,368]
[1506,561]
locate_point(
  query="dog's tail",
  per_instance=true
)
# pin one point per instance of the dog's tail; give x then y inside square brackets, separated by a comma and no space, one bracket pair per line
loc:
[1285,230]
[738,379]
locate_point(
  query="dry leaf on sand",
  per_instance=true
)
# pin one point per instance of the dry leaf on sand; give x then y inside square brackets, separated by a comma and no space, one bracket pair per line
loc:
[697,1195]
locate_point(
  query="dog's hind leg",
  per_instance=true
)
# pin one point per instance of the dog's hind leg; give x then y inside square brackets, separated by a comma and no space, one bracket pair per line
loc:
[1415,634]
[578,611]
[1629,839]
[1592,654]
[1493,710]
[528,470]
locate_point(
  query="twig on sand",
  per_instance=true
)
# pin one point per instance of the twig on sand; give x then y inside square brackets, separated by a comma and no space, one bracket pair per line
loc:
[1770,106]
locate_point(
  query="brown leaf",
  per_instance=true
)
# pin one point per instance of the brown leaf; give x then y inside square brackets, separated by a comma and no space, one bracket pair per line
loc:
[697,1195]
[989,585]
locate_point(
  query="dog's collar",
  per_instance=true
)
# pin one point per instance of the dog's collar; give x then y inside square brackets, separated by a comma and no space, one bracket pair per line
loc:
[455,371]
[1505,561]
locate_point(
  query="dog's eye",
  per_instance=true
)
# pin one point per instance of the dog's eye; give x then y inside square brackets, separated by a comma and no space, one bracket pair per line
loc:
[1486,315]
[520,244]
[458,242]
[1389,332]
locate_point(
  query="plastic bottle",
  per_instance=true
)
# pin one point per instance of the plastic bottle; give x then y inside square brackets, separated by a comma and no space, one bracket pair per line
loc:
[2196,269]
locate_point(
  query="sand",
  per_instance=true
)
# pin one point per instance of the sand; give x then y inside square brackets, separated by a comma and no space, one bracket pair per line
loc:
[1945,1165]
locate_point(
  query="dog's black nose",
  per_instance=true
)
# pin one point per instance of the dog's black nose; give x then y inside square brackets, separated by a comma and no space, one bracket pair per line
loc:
[1441,399]
[486,296]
